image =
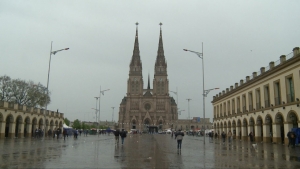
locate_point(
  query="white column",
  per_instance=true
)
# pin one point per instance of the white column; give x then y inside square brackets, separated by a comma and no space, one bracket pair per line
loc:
[2,129]
[21,130]
[11,132]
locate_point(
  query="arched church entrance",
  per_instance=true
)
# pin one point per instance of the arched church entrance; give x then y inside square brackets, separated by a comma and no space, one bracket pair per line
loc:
[160,125]
[133,124]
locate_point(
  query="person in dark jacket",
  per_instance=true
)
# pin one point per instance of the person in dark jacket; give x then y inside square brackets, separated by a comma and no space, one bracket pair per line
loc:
[289,135]
[251,136]
[179,136]
[223,137]
[117,134]
[123,134]
[64,133]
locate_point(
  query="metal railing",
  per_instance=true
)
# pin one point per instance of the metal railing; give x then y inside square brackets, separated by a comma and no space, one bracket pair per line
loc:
[258,106]
[244,109]
[290,98]
[250,107]
[267,103]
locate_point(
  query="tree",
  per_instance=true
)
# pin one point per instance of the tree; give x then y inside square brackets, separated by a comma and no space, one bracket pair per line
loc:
[23,93]
[67,121]
[76,124]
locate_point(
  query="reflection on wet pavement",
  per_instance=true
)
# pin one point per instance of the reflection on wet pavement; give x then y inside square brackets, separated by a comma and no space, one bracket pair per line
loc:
[143,151]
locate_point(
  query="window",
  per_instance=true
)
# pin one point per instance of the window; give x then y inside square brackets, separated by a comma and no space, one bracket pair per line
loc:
[250,101]
[238,105]
[244,103]
[290,90]
[233,106]
[277,93]
[267,96]
[258,99]
[228,107]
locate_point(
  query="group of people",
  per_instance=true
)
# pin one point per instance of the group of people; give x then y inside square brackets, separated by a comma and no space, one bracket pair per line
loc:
[119,133]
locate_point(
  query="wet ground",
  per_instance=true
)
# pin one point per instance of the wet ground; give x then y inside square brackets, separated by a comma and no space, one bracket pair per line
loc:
[143,151]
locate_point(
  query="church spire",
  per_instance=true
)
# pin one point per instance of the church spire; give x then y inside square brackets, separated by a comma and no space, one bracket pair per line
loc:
[148,88]
[136,64]
[160,63]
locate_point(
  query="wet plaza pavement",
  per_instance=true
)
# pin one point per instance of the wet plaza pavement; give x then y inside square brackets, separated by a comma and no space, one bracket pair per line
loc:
[143,151]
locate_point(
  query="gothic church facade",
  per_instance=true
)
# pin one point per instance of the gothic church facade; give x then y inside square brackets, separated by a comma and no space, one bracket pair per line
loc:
[147,109]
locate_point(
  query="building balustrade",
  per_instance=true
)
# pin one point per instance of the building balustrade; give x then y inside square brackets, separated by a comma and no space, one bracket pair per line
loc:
[11,105]
[28,109]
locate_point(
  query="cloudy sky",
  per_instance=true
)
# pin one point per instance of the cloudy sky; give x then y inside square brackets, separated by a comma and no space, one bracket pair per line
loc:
[239,37]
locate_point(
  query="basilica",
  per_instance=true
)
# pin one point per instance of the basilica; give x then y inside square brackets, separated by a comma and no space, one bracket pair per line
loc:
[148,109]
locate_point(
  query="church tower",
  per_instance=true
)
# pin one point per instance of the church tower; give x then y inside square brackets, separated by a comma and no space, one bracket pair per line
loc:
[160,82]
[135,81]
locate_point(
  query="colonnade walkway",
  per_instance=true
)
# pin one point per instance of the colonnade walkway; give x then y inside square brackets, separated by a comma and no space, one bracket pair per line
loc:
[143,151]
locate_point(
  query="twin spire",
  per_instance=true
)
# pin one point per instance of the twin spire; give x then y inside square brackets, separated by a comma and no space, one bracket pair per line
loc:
[136,64]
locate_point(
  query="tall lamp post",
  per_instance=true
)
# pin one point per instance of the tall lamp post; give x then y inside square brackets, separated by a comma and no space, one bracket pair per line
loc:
[179,112]
[176,95]
[101,92]
[112,119]
[189,113]
[51,52]
[200,55]
[96,110]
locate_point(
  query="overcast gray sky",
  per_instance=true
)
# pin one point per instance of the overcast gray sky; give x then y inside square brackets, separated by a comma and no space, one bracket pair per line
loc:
[239,37]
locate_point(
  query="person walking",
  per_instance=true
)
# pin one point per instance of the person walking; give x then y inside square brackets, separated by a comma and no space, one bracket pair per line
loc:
[229,135]
[293,139]
[251,136]
[65,134]
[58,132]
[289,135]
[179,136]
[123,134]
[223,137]
[117,134]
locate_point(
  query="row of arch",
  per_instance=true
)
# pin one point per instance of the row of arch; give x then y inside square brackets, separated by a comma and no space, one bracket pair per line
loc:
[20,126]
[268,128]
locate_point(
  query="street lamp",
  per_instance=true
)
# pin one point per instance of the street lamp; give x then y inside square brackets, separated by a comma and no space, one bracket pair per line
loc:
[96,110]
[101,92]
[176,95]
[200,55]
[51,52]
[112,120]
[179,112]
[189,112]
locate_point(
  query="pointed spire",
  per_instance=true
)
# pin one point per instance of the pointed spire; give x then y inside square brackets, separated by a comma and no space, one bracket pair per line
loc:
[136,64]
[160,63]
[148,82]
